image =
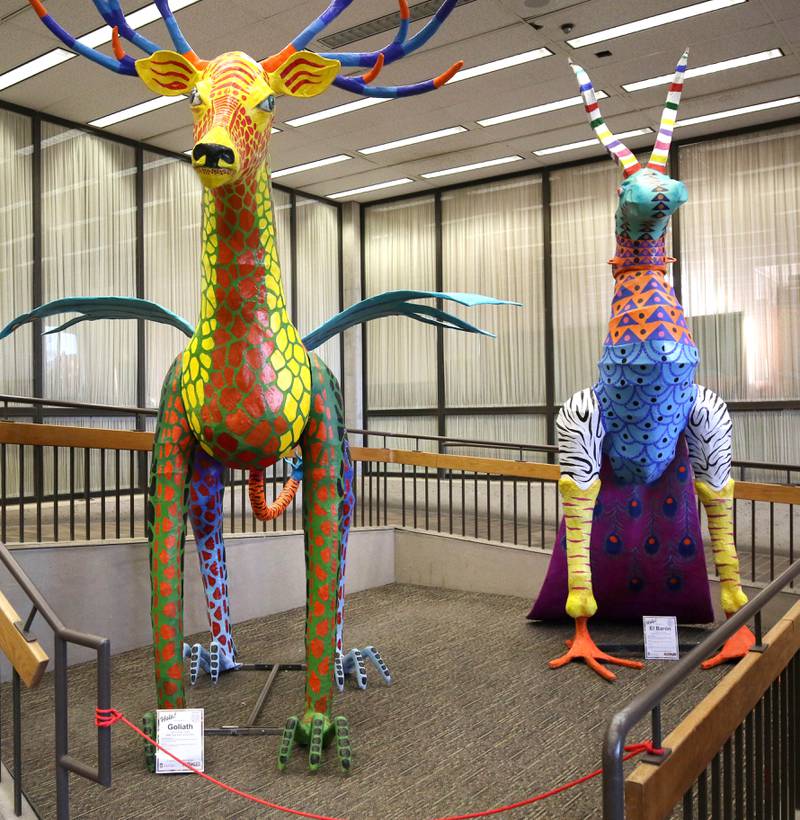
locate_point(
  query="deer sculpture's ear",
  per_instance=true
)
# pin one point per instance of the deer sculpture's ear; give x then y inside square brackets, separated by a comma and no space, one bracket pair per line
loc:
[168,73]
[303,74]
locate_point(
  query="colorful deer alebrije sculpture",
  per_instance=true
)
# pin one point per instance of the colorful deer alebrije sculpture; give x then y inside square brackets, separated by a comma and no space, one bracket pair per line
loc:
[245,392]
[630,542]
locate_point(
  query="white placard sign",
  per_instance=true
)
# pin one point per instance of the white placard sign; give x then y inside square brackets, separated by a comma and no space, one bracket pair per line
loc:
[180,731]
[660,637]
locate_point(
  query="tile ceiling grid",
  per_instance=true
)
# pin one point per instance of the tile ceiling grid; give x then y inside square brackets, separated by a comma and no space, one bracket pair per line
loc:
[479,31]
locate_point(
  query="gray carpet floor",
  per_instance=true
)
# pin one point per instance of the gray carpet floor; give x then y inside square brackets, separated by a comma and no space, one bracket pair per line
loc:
[474,719]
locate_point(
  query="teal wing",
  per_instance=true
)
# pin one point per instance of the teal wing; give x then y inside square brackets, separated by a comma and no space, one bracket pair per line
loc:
[391,303]
[92,308]
[403,303]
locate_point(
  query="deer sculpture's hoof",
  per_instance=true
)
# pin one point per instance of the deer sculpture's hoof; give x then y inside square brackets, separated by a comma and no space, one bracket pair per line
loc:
[213,661]
[316,731]
[354,664]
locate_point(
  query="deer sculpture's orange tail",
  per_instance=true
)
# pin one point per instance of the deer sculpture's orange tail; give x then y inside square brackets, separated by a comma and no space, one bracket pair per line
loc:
[262,510]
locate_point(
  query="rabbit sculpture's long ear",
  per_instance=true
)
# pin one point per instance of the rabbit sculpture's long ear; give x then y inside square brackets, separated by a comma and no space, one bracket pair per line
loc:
[625,157]
[658,159]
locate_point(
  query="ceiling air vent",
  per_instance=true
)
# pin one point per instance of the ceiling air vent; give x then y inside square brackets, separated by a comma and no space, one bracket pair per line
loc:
[380,25]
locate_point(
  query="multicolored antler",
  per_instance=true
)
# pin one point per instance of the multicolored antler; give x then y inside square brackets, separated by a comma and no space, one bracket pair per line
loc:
[624,156]
[373,60]
[114,16]
[658,159]
[123,65]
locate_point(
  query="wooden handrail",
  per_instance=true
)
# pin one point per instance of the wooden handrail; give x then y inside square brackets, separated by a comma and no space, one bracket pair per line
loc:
[26,656]
[56,435]
[651,792]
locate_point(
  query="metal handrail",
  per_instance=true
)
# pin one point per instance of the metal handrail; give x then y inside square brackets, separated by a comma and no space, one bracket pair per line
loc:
[650,700]
[65,763]
[443,440]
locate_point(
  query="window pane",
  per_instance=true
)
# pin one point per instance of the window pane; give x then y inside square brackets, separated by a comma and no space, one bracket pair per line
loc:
[401,353]
[508,429]
[741,262]
[16,251]
[172,211]
[318,272]
[88,249]
[492,244]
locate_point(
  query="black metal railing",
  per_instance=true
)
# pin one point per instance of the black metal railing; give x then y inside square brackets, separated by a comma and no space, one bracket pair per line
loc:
[61,493]
[773,734]
[63,636]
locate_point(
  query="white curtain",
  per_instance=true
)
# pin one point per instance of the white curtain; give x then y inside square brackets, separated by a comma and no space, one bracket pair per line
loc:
[582,212]
[16,251]
[407,425]
[741,280]
[318,272]
[508,429]
[172,215]
[492,244]
[768,436]
[282,213]
[400,254]
[88,249]
[741,262]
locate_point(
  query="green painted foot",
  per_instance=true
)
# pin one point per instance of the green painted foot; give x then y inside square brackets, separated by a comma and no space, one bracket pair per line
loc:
[316,731]
[149,728]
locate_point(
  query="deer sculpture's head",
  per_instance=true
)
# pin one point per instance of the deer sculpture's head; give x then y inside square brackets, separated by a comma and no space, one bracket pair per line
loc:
[647,196]
[233,97]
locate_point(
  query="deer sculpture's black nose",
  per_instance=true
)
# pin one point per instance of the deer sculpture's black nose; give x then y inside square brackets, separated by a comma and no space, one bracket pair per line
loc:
[213,154]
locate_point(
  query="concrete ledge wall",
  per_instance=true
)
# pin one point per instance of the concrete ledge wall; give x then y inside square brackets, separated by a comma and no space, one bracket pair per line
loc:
[105,588]
[453,562]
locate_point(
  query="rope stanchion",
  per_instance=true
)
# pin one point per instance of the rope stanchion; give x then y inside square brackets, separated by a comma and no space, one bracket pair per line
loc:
[105,718]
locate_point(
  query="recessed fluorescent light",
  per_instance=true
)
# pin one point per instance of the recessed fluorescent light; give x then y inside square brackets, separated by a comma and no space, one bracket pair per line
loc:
[431,135]
[571,146]
[336,111]
[307,166]
[464,74]
[98,37]
[35,66]
[652,22]
[503,62]
[135,111]
[537,109]
[711,68]
[367,188]
[460,169]
[736,112]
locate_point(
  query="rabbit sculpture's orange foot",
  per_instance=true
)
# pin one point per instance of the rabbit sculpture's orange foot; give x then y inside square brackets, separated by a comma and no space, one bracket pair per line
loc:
[582,647]
[734,649]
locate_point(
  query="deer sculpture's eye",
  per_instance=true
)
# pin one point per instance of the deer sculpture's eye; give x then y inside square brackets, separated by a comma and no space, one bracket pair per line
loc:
[268,104]
[194,98]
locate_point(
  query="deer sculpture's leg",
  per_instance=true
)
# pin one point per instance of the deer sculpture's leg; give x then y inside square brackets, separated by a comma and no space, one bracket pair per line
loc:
[206,514]
[166,529]
[354,662]
[709,438]
[580,439]
[325,464]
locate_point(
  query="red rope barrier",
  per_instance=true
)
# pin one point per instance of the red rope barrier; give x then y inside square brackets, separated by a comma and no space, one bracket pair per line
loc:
[105,718]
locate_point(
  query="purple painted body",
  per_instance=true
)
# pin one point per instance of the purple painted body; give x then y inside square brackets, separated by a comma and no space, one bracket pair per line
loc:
[646,553]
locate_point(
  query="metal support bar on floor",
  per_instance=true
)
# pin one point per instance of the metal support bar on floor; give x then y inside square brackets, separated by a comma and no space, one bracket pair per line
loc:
[250,729]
